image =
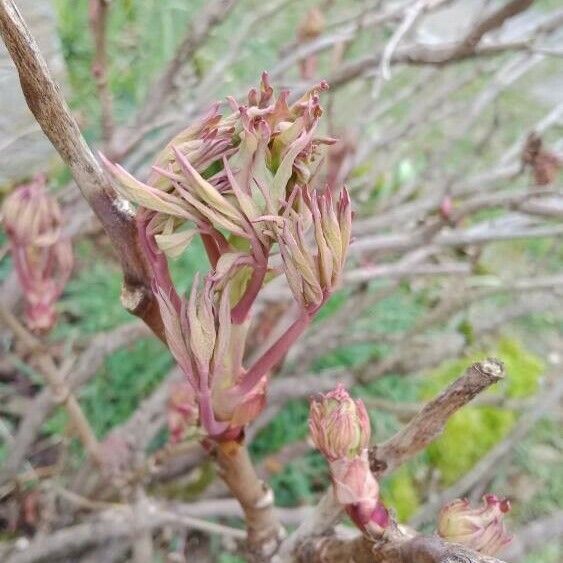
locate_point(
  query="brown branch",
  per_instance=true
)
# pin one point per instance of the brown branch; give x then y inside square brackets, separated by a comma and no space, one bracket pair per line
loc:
[264,532]
[487,465]
[493,21]
[59,388]
[117,523]
[397,549]
[53,115]
[43,404]
[466,47]
[99,10]
[213,14]
[442,55]
[429,423]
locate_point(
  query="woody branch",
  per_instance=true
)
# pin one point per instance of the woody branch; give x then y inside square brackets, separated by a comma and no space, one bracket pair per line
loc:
[47,104]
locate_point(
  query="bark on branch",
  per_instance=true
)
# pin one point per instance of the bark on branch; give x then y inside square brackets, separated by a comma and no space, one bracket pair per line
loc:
[429,423]
[420,549]
[264,531]
[47,104]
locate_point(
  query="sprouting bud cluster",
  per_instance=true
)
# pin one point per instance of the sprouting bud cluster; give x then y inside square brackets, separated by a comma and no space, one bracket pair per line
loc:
[481,529]
[246,183]
[42,258]
[340,429]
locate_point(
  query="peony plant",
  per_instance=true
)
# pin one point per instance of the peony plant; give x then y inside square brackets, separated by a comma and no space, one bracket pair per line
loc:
[246,183]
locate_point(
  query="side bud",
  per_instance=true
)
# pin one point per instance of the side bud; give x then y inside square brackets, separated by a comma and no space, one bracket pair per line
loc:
[30,216]
[481,529]
[339,425]
[340,429]
[42,258]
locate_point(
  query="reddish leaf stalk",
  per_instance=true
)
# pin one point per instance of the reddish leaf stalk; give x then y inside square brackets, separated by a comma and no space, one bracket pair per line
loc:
[273,355]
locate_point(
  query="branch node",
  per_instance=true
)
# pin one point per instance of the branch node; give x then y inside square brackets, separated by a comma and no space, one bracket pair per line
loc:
[492,368]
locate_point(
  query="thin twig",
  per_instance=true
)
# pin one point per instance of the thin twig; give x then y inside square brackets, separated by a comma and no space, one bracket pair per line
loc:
[59,387]
[99,10]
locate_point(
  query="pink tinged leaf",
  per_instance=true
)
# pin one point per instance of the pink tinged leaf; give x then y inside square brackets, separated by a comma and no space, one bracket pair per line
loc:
[285,170]
[176,338]
[288,134]
[174,244]
[210,213]
[267,196]
[31,216]
[340,425]
[253,97]
[167,173]
[322,86]
[331,228]
[246,152]
[266,90]
[479,528]
[227,262]
[281,110]
[246,203]
[202,326]
[345,220]
[325,256]
[354,482]
[144,195]
[223,330]
[293,277]
[300,257]
[205,190]
[251,405]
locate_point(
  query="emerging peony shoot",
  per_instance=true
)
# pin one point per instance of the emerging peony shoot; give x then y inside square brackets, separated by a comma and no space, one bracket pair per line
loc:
[247,183]
[42,258]
[339,425]
[481,529]
[340,429]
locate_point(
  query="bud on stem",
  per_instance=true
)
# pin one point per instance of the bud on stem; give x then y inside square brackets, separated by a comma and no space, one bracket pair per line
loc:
[340,429]
[481,529]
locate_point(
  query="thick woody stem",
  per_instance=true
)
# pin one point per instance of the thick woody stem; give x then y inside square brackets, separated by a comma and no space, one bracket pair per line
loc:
[420,549]
[264,531]
[330,549]
[47,104]
[59,388]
